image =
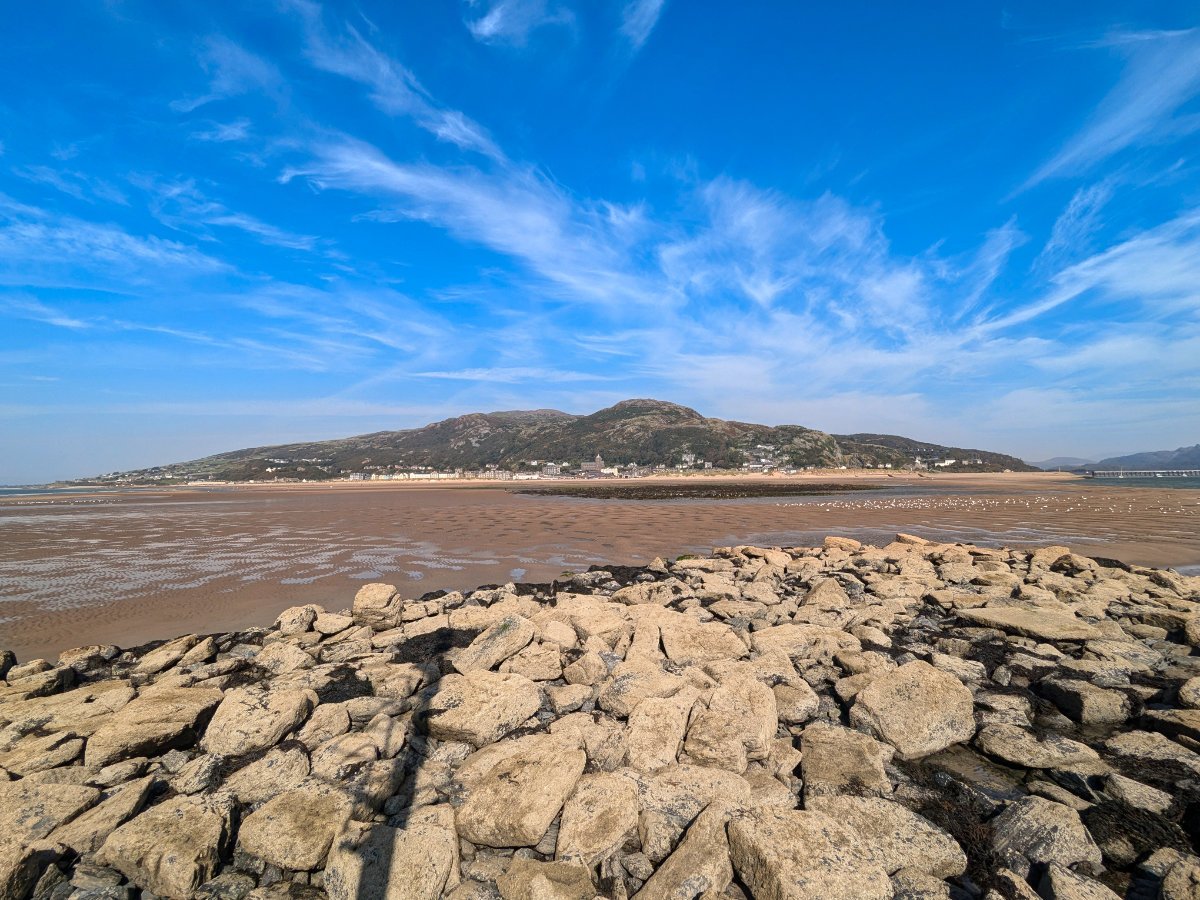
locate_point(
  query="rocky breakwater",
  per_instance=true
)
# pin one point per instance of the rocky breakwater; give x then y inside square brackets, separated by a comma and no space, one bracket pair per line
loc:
[914,721]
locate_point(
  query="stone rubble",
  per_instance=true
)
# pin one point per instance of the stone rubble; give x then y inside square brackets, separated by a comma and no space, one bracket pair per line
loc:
[916,721]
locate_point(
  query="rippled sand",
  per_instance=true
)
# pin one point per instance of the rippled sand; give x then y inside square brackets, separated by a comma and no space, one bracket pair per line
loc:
[129,567]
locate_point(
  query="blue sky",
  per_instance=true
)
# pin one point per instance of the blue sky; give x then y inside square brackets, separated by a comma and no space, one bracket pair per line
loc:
[224,225]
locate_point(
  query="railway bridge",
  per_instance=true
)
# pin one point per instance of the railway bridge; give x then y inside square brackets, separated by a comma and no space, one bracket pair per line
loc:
[1143,473]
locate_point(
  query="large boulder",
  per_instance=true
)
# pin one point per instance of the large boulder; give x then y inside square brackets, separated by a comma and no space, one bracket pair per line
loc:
[495,644]
[410,863]
[515,802]
[174,847]
[1022,747]
[528,879]
[796,702]
[1087,703]
[22,864]
[1042,831]
[738,725]
[166,655]
[689,642]
[87,832]
[1061,883]
[30,810]
[800,855]
[917,709]
[297,619]
[597,817]
[81,711]
[1042,624]
[294,830]
[633,682]
[1153,752]
[700,864]
[672,797]
[278,770]
[282,658]
[253,719]
[838,760]
[168,719]
[656,730]
[479,707]
[809,642]
[378,606]
[896,837]
[36,753]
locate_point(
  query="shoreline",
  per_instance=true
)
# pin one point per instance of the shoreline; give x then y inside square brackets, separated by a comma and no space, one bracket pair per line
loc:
[925,713]
[150,562]
[816,477]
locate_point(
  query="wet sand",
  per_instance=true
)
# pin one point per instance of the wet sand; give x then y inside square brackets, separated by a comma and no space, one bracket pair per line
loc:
[132,566]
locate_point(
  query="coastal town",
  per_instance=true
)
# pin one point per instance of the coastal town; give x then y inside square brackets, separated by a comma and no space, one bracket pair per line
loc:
[763,461]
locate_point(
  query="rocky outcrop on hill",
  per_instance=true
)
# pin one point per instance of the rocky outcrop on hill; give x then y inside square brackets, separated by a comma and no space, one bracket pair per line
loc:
[916,721]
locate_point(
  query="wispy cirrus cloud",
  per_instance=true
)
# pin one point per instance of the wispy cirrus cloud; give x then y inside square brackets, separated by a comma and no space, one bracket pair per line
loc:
[394,89]
[38,249]
[23,306]
[224,132]
[1155,272]
[1162,73]
[638,18]
[727,283]
[288,337]
[513,21]
[232,70]
[516,211]
[72,183]
[511,375]
[182,206]
[1076,225]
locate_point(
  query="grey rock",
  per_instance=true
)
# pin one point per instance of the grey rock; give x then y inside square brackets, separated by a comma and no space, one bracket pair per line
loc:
[1043,831]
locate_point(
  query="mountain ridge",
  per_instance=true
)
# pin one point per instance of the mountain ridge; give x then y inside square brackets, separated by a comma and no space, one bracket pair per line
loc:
[1179,458]
[639,431]
[1062,462]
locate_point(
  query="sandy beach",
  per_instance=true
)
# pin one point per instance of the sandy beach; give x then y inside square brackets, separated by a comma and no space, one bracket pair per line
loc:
[136,565]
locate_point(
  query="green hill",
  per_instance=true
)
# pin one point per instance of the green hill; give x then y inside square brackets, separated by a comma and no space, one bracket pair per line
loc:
[645,432]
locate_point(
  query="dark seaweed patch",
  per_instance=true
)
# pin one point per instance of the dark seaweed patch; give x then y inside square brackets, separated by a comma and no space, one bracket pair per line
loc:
[1112,824]
[720,491]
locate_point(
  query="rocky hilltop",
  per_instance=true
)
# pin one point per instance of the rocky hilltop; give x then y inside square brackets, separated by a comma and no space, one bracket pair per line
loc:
[646,432]
[916,721]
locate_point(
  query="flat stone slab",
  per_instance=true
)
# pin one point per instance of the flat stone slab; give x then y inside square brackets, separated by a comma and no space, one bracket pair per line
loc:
[1045,625]
[167,719]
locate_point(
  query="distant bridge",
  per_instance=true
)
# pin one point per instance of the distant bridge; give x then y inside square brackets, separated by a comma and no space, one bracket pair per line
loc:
[1144,473]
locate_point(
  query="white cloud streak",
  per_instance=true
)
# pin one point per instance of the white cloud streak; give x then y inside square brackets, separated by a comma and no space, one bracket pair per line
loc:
[73,184]
[393,87]
[232,71]
[1156,272]
[638,19]
[513,21]
[224,132]
[1075,226]
[1162,73]
[518,212]
[45,251]
[182,206]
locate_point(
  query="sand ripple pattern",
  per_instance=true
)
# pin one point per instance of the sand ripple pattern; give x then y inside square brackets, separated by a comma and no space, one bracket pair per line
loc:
[80,570]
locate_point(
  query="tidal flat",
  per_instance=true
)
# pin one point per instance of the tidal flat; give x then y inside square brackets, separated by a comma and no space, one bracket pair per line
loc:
[130,566]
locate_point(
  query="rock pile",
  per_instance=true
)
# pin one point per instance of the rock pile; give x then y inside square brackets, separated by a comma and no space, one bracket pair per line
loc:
[916,721]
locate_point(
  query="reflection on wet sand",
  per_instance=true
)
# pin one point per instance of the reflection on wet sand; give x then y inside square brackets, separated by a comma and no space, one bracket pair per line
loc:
[138,565]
